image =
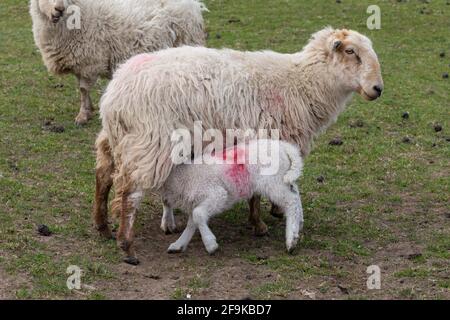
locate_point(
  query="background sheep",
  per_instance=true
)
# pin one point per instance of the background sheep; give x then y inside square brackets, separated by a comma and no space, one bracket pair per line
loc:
[300,94]
[207,189]
[110,32]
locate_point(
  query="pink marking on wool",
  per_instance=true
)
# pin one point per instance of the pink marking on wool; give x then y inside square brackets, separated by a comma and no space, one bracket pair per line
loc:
[237,172]
[135,64]
[240,177]
[275,100]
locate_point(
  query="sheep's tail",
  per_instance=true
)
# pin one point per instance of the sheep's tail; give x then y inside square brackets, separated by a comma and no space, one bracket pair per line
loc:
[295,170]
[189,28]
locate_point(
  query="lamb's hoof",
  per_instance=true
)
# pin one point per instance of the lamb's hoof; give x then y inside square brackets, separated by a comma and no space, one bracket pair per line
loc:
[261,230]
[169,229]
[131,260]
[276,212]
[212,249]
[174,249]
[291,247]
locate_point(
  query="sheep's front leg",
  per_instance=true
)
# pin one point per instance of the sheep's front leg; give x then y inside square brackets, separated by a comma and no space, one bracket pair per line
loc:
[181,244]
[86,109]
[168,220]
[259,226]
[125,236]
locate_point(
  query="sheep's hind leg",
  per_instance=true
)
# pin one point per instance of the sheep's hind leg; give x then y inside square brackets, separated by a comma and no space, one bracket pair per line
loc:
[131,200]
[260,228]
[86,109]
[181,244]
[168,225]
[103,183]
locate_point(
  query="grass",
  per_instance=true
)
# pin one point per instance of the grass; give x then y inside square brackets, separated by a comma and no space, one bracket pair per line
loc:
[380,196]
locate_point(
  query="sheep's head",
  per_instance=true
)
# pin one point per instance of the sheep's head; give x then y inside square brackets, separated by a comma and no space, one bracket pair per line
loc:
[357,65]
[53,9]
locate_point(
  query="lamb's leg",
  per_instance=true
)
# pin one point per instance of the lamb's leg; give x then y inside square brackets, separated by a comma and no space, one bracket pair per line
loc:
[181,244]
[168,220]
[131,200]
[214,204]
[103,183]
[288,198]
[260,228]
[201,217]
[294,224]
[86,109]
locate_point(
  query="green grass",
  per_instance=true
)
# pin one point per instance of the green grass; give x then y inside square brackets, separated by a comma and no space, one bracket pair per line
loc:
[378,191]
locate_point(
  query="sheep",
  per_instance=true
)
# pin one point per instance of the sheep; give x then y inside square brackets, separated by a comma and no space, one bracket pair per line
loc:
[211,185]
[108,33]
[152,95]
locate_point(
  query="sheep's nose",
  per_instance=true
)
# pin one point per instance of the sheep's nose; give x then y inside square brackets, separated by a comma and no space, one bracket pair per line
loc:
[60,9]
[378,89]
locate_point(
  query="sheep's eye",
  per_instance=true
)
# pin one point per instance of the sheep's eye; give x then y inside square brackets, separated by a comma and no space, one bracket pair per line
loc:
[349,51]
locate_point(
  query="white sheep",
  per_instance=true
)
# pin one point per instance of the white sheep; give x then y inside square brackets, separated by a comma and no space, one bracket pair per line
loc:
[206,189]
[108,33]
[152,95]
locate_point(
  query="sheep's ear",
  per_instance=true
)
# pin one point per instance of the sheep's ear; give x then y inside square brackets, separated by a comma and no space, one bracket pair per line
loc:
[337,45]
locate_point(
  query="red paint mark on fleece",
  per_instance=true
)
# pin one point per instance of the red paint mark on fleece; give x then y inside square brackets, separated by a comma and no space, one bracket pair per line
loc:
[136,63]
[237,172]
[275,100]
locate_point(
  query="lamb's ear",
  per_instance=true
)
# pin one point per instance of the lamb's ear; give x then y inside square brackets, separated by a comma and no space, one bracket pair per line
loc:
[337,45]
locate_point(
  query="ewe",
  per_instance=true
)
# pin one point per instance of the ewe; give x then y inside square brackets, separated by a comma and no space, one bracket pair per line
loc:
[108,33]
[152,95]
[216,184]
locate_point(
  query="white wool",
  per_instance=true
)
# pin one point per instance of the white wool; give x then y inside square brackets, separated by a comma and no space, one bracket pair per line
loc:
[300,94]
[111,32]
[207,189]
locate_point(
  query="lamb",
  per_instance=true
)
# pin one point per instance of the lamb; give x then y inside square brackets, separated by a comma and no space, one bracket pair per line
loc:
[216,184]
[108,33]
[152,95]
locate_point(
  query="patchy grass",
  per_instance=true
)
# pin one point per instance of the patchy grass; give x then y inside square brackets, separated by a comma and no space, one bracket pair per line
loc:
[382,202]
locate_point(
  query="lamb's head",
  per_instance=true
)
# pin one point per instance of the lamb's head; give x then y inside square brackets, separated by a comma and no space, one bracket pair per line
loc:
[53,10]
[353,61]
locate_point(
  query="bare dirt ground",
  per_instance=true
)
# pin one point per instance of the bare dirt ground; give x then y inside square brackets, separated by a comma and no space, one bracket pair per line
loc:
[231,275]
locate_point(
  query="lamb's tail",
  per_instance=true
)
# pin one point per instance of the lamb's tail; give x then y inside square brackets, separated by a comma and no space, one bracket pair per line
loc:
[293,153]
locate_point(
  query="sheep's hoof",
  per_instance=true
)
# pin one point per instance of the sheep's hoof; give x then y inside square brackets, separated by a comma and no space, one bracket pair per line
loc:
[261,230]
[105,232]
[82,119]
[131,260]
[276,212]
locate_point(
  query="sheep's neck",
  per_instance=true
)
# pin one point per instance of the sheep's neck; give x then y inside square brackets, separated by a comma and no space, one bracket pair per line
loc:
[320,100]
